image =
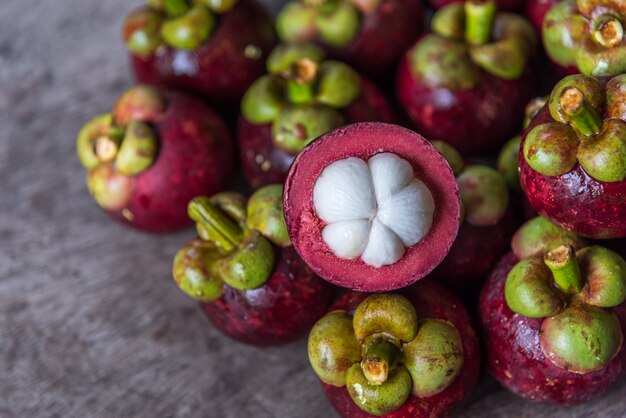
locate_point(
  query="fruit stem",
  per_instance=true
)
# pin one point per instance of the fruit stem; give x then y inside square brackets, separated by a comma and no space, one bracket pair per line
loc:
[583,117]
[300,79]
[213,224]
[106,146]
[608,31]
[479,17]
[175,8]
[565,270]
[381,357]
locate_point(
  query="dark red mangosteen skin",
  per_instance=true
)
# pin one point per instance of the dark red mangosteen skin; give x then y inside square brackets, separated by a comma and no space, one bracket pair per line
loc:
[378,46]
[430,301]
[473,121]
[219,69]
[514,356]
[263,163]
[281,310]
[196,157]
[364,140]
[574,200]
[506,5]
[472,256]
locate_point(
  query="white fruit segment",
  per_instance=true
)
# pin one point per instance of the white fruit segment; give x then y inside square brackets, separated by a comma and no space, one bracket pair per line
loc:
[372,210]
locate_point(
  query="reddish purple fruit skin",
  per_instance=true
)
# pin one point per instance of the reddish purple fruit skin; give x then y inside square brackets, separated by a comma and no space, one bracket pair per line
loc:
[281,310]
[430,301]
[508,5]
[574,200]
[256,146]
[378,46]
[472,256]
[474,120]
[514,356]
[218,69]
[196,157]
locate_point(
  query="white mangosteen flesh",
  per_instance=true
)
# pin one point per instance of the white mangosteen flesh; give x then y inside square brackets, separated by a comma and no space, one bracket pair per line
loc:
[374,210]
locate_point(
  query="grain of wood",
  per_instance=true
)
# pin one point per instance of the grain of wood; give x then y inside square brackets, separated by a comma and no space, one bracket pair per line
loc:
[90,322]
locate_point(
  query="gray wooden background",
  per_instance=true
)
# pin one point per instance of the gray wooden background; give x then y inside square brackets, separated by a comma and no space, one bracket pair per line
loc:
[91,324]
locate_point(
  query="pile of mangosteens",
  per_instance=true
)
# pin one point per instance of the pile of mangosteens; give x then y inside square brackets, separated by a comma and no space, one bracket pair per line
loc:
[403,252]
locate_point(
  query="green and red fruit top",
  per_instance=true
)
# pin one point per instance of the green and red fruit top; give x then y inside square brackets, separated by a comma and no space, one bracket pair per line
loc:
[588,129]
[587,34]
[484,192]
[121,144]
[572,288]
[235,245]
[468,39]
[179,24]
[384,353]
[336,22]
[302,96]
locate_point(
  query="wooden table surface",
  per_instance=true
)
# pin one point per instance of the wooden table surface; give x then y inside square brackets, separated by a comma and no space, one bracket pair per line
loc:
[91,323]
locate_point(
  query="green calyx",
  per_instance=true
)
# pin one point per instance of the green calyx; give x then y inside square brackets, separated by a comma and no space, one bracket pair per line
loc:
[580,135]
[298,125]
[141,31]
[572,290]
[508,162]
[452,156]
[484,194]
[538,235]
[265,214]
[469,37]
[532,109]
[194,271]
[141,102]
[190,30]
[110,189]
[383,354]
[335,22]
[137,150]
[587,35]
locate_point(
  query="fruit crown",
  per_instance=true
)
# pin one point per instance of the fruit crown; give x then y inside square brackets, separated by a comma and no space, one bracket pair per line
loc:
[384,353]
[119,145]
[470,37]
[181,24]
[484,192]
[335,22]
[571,287]
[235,245]
[588,129]
[301,96]
[588,34]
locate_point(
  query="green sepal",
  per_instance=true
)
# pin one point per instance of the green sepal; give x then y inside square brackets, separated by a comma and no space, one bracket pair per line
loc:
[616,98]
[218,6]
[604,157]
[551,149]
[264,100]
[232,204]
[265,214]
[581,339]
[385,313]
[530,291]
[508,162]
[190,30]
[141,31]
[539,235]
[595,60]
[338,84]
[434,358]
[505,59]
[296,22]
[333,348]
[194,271]
[250,265]
[284,56]
[88,135]
[339,27]
[379,399]
[110,189]
[449,21]
[141,102]
[452,156]
[138,149]
[485,195]
[561,31]
[175,8]
[605,271]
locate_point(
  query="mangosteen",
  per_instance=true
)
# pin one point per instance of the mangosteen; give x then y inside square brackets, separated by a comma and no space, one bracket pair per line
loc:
[355,31]
[468,81]
[212,48]
[412,354]
[573,159]
[302,97]
[586,36]
[507,5]
[486,227]
[554,318]
[371,206]
[242,269]
[154,152]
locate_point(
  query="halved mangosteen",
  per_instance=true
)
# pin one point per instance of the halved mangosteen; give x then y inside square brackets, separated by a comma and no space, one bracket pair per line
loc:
[371,206]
